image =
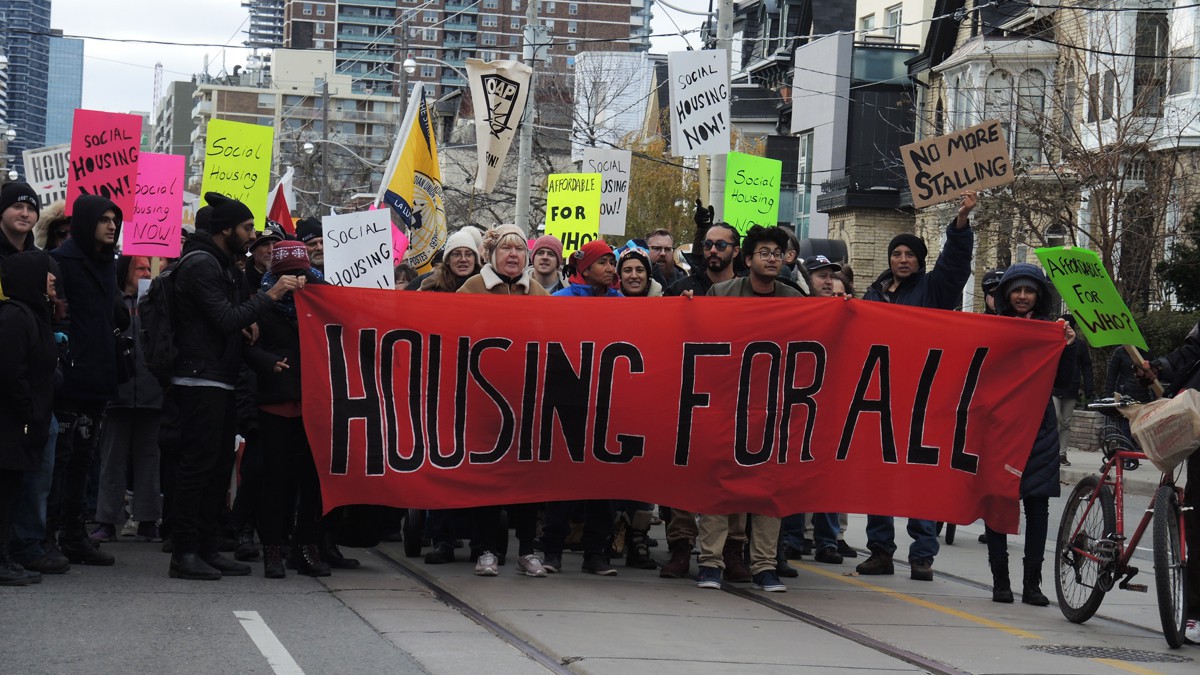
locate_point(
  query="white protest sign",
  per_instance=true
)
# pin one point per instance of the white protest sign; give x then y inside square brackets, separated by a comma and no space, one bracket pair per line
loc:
[498,90]
[699,102]
[46,172]
[613,167]
[358,249]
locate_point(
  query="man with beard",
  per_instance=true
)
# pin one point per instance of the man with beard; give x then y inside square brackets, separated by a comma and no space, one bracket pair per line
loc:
[309,231]
[662,256]
[720,248]
[210,316]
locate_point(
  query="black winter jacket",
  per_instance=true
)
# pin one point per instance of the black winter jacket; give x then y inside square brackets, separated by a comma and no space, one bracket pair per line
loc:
[1039,478]
[940,288]
[27,362]
[1181,368]
[95,310]
[209,313]
[1121,378]
[278,338]
[142,391]
[1075,368]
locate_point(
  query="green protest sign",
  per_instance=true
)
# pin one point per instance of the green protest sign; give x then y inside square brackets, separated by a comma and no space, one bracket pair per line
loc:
[1084,284]
[751,191]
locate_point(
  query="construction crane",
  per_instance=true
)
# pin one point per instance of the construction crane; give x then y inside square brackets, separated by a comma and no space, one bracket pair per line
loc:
[158,72]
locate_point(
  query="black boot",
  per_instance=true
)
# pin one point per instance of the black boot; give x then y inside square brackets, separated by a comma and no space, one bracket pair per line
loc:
[1001,588]
[273,562]
[190,566]
[307,558]
[331,555]
[79,549]
[11,573]
[782,567]
[637,552]
[1032,594]
[246,550]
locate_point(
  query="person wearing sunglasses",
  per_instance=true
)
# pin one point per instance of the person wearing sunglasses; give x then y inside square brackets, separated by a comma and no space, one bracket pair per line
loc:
[719,248]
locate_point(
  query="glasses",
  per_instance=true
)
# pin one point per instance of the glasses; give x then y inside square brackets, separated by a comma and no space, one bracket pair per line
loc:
[660,249]
[769,255]
[719,245]
[462,254]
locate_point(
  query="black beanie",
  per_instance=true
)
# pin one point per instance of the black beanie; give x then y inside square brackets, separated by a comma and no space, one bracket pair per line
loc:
[14,192]
[226,212]
[308,229]
[913,242]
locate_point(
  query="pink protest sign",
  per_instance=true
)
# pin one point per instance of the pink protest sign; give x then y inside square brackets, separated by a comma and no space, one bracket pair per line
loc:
[399,245]
[154,228]
[104,157]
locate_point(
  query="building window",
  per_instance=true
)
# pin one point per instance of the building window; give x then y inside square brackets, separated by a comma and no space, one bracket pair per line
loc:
[550,7]
[429,16]
[266,100]
[318,44]
[866,24]
[320,10]
[939,118]
[428,72]
[306,9]
[489,21]
[514,39]
[1020,110]
[431,35]
[804,185]
[320,29]
[491,4]
[570,45]
[1150,63]
[516,6]
[895,15]
[515,23]
[429,53]
[1070,99]
[1181,71]
[573,8]
[1056,235]
[488,39]
[572,26]
[549,24]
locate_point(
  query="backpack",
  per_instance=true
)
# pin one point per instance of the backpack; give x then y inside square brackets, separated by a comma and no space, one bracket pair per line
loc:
[158,323]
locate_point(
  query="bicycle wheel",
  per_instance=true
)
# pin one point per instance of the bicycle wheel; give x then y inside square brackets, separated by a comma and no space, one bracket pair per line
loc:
[950,528]
[1077,577]
[1169,566]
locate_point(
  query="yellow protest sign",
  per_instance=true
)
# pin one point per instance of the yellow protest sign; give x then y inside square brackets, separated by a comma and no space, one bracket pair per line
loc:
[573,209]
[237,163]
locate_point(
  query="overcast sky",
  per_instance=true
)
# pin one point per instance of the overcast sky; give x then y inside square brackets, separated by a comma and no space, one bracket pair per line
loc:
[119,77]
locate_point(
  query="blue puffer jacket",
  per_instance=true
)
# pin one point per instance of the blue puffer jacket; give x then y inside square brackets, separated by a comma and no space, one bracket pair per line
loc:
[1040,476]
[585,291]
[940,288]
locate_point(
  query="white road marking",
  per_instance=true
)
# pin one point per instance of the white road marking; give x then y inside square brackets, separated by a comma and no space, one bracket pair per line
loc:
[264,638]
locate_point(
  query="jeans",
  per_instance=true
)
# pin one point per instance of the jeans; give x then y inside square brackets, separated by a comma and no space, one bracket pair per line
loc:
[208,426]
[825,530]
[75,448]
[29,509]
[1064,408]
[290,490]
[129,441]
[881,536]
[1037,526]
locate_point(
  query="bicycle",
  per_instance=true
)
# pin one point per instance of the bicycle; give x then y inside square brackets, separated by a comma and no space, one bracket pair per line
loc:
[1092,553]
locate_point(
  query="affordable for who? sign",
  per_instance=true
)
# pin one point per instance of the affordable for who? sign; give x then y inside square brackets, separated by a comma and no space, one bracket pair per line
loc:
[573,209]
[1084,284]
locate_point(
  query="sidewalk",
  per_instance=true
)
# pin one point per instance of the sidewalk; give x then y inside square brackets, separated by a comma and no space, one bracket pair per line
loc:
[1085,463]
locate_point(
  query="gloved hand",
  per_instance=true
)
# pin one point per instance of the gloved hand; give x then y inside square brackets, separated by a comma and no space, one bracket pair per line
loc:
[704,215]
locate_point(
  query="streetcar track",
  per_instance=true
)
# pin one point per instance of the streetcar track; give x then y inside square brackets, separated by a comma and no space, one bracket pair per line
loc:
[522,645]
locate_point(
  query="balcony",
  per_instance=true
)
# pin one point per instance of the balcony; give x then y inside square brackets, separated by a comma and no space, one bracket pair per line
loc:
[349,19]
[460,25]
[390,4]
[451,79]
[460,42]
[201,108]
[372,54]
[465,7]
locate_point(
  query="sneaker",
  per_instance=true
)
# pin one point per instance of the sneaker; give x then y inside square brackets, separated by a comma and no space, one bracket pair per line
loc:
[50,563]
[828,555]
[486,565]
[709,577]
[598,564]
[531,566]
[129,529]
[878,563]
[846,550]
[1191,634]
[1063,461]
[552,562]
[768,581]
[103,534]
[922,569]
[147,531]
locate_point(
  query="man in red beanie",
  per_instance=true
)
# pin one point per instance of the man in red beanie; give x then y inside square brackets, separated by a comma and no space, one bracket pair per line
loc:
[595,270]
[547,262]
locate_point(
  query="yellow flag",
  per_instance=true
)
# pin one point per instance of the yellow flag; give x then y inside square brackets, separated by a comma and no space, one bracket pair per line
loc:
[412,185]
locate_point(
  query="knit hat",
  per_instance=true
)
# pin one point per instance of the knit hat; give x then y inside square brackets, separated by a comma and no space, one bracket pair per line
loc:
[913,242]
[226,212]
[288,256]
[13,193]
[586,256]
[635,253]
[1023,282]
[462,239]
[551,242]
[203,216]
[272,233]
[491,240]
[308,229]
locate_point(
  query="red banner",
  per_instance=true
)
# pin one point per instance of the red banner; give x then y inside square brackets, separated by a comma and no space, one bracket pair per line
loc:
[714,405]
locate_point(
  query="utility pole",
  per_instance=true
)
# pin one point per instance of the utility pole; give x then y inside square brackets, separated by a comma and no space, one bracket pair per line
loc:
[716,175]
[324,192]
[533,43]
[403,96]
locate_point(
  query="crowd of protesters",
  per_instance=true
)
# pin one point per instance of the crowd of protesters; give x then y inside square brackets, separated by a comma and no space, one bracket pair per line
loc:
[90,434]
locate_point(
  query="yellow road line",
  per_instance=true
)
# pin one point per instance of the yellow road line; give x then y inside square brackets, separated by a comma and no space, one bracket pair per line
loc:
[1127,667]
[857,581]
